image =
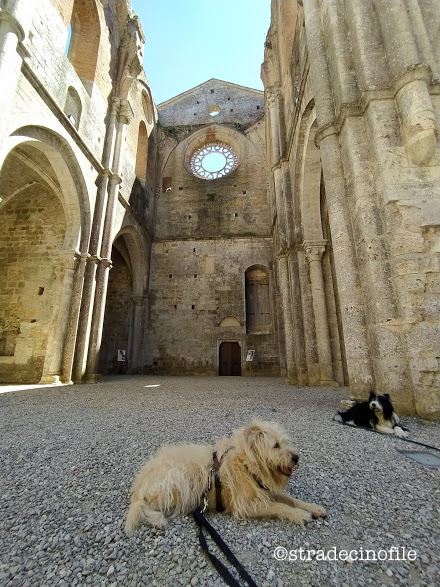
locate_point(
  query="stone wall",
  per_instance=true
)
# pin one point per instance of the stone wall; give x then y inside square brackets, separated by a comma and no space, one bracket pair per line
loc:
[372,96]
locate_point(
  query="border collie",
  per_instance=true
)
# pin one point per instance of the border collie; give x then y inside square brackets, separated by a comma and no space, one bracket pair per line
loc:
[377,413]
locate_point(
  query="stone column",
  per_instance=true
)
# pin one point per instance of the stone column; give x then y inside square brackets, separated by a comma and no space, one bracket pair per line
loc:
[92,375]
[73,320]
[94,248]
[314,252]
[297,317]
[360,371]
[283,273]
[15,20]
[52,369]
[272,103]
[308,319]
[82,336]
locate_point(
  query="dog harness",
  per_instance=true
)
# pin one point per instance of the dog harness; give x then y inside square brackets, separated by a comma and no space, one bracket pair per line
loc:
[215,471]
[217,482]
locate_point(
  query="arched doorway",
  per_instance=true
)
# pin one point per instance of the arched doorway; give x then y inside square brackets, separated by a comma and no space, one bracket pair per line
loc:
[115,334]
[229,359]
[123,328]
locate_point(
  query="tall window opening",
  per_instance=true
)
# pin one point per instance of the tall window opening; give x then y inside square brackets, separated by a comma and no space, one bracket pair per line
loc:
[84,41]
[142,152]
[258,319]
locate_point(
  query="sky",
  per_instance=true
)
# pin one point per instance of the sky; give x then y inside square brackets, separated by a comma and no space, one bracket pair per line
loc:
[191,41]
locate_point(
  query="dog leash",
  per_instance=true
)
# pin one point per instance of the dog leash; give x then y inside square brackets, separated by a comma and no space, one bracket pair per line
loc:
[399,437]
[221,569]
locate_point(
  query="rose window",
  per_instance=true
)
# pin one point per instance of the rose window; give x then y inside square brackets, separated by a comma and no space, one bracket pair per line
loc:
[213,161]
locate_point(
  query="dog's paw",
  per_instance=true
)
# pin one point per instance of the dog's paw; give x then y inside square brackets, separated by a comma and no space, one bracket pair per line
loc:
[316,510]
[300,517]
[398,431]
[338,418]
[157,520]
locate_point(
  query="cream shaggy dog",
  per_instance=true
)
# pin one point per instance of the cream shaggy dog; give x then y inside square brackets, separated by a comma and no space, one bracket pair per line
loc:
[255,465]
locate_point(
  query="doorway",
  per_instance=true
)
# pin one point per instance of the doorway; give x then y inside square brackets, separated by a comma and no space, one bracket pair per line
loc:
[229,359]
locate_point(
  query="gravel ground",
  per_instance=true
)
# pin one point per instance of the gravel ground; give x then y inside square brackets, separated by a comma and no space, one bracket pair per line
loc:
[69,455]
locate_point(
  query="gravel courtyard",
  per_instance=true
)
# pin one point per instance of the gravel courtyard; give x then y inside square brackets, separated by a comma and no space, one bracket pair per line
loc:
[69,455]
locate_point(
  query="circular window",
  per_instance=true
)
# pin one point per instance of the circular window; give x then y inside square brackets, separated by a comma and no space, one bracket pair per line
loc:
[213,161]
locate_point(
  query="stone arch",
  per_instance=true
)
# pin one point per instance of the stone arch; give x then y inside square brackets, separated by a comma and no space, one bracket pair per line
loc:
[125,304]
[308,205]
[229,322]
[73,191]
[322,321]
[213,133]
[42,185]
[42,230]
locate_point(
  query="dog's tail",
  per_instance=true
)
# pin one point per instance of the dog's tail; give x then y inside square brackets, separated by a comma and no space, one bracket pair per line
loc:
[138,513]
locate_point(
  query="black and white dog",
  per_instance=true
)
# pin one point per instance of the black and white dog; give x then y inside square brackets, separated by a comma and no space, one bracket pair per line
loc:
[377,413]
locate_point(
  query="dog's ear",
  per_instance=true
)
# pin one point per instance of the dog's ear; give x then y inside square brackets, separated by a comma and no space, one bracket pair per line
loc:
[253,432]
[371,396]
[387,395]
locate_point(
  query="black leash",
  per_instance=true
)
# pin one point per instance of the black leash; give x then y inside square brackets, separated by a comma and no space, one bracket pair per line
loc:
[394,436]
[221,569]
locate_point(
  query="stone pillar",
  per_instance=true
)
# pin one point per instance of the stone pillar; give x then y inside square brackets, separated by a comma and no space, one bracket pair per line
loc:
[137,330]
[281,209]
[15,20]
[274,115]
[85,315]
[314,252]
[310,349]
[360,371]
[297,317]
[52,369]
[73,320]
[92,375]
[94,249]
[283,273]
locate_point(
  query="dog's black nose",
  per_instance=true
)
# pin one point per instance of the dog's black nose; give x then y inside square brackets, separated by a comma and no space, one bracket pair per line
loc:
[295,458]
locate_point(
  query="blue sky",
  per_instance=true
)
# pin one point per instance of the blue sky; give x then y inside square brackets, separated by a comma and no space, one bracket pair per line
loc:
[191,41]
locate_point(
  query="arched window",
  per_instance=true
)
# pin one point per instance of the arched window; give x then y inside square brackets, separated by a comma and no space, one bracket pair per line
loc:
[142,152]
[147,107]
[84,41]
[258,318]
[73,107]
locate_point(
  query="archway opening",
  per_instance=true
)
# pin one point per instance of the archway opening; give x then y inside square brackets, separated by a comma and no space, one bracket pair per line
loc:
[115,354]
[33,232]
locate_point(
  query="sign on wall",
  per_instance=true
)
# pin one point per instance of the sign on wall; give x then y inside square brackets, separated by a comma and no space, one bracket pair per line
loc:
[250,355]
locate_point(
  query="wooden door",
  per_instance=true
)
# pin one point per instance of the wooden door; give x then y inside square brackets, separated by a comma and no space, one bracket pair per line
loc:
[230,359]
